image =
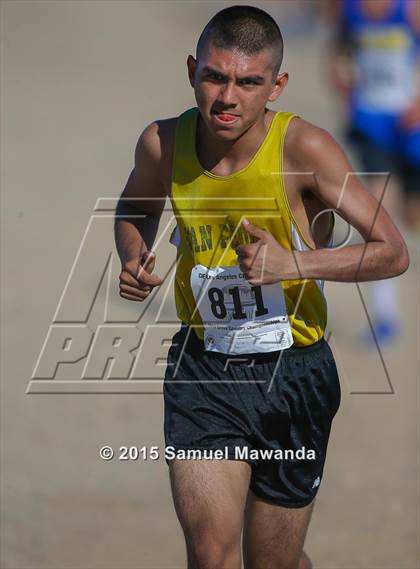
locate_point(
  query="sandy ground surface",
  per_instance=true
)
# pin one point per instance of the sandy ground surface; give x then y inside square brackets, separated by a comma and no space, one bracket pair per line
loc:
[79,81]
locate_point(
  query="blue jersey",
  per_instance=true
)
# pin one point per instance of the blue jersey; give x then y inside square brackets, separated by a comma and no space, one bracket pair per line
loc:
[385,55]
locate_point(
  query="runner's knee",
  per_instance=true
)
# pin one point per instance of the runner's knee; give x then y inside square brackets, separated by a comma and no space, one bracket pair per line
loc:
[208,551]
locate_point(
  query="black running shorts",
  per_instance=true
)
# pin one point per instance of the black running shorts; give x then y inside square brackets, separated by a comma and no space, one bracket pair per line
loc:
[273,410]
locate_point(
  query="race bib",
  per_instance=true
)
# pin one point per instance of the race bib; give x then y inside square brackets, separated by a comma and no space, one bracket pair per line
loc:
[240,318]
[386,72]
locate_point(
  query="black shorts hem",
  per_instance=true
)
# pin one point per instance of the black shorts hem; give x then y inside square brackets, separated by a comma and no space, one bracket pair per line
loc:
[279,502]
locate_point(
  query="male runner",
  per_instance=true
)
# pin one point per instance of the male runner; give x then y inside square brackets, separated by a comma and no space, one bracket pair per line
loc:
[375,66]
[249,368]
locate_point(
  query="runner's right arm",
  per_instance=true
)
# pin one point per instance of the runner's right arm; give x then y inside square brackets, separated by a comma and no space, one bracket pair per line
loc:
[137,218]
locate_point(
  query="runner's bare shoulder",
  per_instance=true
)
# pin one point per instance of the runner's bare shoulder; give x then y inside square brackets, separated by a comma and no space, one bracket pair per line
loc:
[308,145]
[151,175]
[155,148]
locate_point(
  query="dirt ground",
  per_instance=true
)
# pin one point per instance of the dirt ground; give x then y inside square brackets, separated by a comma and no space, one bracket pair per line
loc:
[79,82]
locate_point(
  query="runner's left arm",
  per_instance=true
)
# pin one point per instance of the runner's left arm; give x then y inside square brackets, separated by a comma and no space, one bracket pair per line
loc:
[384,253]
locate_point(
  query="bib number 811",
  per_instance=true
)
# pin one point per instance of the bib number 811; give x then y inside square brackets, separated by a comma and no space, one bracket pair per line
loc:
[218,306]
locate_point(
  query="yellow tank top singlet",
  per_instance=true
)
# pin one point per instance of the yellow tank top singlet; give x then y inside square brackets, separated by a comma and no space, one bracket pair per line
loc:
[209,209]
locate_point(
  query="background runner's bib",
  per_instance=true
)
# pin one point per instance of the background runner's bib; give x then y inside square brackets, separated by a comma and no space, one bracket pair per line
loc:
[208,211]
[385,70]
[239,318]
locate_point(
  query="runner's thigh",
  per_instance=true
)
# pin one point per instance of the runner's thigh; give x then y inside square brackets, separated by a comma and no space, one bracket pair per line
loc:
[274,535]
[210,495]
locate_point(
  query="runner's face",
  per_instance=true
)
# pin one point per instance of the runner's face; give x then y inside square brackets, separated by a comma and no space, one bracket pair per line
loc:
[232,89]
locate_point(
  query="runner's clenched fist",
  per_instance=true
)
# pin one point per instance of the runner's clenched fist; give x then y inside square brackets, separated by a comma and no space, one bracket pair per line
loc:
[136,279]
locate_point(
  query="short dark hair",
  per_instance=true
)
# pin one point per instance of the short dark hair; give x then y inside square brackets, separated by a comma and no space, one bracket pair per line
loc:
[246,28]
